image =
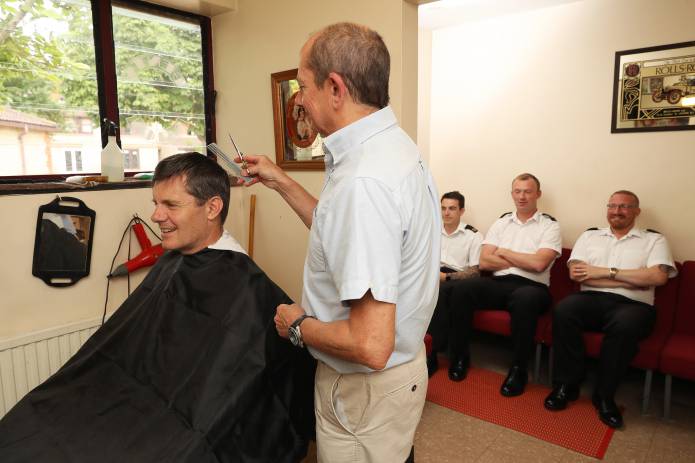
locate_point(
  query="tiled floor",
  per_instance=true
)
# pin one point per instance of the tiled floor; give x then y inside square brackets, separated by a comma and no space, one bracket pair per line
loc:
[448,436]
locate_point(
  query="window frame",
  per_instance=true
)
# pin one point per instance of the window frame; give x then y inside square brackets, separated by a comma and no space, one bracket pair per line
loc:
[107,88]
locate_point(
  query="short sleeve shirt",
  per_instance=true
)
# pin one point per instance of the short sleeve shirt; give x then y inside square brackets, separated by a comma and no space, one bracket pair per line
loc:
[461,249]
[376,228]
[541,231]
[637,249]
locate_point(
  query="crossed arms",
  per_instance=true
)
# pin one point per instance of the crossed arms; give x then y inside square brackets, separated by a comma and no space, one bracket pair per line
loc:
[599,277]
[493,258]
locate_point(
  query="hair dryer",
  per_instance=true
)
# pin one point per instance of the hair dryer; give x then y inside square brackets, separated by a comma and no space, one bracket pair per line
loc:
[148,254]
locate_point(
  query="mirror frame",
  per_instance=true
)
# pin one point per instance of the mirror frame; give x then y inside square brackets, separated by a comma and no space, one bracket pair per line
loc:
[70,206]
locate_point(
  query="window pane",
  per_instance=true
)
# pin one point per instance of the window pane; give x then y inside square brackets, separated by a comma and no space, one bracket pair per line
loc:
[159,70]
[48,90]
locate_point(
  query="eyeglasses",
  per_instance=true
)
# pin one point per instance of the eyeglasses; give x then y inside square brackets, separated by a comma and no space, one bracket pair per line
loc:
[621,207]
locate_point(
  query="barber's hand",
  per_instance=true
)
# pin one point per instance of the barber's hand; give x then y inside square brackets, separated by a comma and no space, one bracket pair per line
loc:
[262,170]
[285,316]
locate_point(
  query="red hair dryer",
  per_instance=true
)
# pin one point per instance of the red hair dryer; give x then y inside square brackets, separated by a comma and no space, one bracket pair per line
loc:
[148,254]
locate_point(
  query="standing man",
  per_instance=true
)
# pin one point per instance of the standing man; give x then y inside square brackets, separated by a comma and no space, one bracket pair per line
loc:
[459,261]
[519,249]
[372,268]
[618,268]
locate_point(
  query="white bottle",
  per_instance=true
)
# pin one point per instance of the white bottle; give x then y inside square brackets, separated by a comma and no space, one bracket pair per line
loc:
[112,156]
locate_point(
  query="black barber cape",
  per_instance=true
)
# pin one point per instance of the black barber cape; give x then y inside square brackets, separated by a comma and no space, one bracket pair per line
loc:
[188,369]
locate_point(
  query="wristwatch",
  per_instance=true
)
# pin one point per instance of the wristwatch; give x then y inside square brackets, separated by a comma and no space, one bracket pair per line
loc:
[612,273]
[295,333]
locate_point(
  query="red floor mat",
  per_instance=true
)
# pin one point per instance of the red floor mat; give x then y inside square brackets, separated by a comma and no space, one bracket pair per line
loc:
[577,428]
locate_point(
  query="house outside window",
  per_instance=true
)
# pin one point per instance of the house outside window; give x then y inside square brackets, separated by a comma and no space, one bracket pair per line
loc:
[149,72]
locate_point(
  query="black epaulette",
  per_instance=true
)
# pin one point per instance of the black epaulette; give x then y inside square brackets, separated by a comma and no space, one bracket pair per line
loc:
[592,229]
[506,213]
[471,228]
[548,216]
[653,231]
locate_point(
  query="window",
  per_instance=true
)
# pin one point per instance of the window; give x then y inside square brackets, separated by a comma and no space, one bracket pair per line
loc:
[131,160]
[70,165]
[148,72]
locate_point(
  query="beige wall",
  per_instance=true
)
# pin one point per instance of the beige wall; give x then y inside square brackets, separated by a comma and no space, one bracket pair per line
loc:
[257,39]
[533,91]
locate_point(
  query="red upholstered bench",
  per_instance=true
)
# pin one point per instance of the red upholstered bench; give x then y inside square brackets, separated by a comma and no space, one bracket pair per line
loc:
[649,349]
[499,321]
[678,354]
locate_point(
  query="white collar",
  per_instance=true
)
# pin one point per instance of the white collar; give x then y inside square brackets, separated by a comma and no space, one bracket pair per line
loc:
[227,243]
[460,229]
[343,140]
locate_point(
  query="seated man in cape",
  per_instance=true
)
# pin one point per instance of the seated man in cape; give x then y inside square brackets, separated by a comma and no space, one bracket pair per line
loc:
[190,367]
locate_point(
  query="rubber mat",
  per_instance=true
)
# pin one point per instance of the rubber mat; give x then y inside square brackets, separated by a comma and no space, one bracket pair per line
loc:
[577,428]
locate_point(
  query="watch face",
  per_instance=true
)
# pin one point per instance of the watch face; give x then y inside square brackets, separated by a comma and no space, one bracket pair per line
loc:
[294,336]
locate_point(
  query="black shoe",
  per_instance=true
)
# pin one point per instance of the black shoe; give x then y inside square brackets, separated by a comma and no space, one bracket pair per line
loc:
[432,364]
[459,369]
[515,383]
[608,411]
[560,395]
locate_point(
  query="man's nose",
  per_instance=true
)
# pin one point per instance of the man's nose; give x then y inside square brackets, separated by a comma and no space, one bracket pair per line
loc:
[157,215]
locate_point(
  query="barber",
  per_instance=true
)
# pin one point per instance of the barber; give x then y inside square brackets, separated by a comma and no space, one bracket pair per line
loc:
[372,268]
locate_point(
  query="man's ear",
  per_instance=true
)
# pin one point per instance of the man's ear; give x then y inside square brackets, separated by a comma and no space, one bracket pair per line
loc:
[338,90]
[214,207]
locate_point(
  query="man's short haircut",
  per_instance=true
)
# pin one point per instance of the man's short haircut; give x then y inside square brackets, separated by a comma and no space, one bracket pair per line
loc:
[203,177]
[628,193]
[457,196]
[527,176]
[359,55]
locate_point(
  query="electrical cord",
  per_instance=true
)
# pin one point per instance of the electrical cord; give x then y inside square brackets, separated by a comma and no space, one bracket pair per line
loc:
[135,219]
[113,261]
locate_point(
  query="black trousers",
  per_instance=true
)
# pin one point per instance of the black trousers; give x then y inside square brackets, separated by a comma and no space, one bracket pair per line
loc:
[524,299]
[624,322]
[441,318]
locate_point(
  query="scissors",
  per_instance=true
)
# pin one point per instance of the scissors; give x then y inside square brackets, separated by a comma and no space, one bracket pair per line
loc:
[241,155]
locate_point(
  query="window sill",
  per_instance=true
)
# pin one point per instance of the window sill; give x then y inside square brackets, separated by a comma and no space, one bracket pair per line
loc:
[60,187]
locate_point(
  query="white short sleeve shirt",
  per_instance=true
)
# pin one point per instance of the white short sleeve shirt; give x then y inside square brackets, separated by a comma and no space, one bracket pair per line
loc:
[637,249]
[376,227]
[461,249]
[541,231]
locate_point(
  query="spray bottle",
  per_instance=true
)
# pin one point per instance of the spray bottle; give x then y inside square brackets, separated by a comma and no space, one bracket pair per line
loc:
[112,156]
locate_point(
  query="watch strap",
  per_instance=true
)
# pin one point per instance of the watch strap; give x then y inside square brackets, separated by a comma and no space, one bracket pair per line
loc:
[298,321]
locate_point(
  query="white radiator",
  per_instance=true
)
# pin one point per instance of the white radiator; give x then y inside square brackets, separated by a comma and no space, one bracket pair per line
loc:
[27,361]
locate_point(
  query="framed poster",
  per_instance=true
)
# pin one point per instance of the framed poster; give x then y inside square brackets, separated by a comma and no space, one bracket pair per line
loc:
[298,146]
[654,89]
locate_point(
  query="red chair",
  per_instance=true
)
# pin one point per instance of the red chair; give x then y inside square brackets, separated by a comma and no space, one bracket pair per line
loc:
[499,321]
[650,348]
[678,355]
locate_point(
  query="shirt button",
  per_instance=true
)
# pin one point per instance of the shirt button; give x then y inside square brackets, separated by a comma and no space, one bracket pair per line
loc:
[414,387]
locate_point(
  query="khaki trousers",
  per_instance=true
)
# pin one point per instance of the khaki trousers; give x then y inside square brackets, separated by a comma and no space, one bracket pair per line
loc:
[369,417]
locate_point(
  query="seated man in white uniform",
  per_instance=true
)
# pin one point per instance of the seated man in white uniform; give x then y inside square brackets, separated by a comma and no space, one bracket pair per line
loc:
[459,261]
[618,268]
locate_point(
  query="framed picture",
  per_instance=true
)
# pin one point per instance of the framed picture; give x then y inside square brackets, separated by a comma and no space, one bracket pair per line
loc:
[298,146]
[654,89]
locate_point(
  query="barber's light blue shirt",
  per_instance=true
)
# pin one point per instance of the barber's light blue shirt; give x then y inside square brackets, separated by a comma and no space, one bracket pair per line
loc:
[376,227]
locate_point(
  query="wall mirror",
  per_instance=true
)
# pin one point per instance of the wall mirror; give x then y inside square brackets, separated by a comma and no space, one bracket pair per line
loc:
[63,242]
[298,145]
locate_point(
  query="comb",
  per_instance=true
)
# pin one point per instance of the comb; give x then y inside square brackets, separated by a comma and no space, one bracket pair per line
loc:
[227,162]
